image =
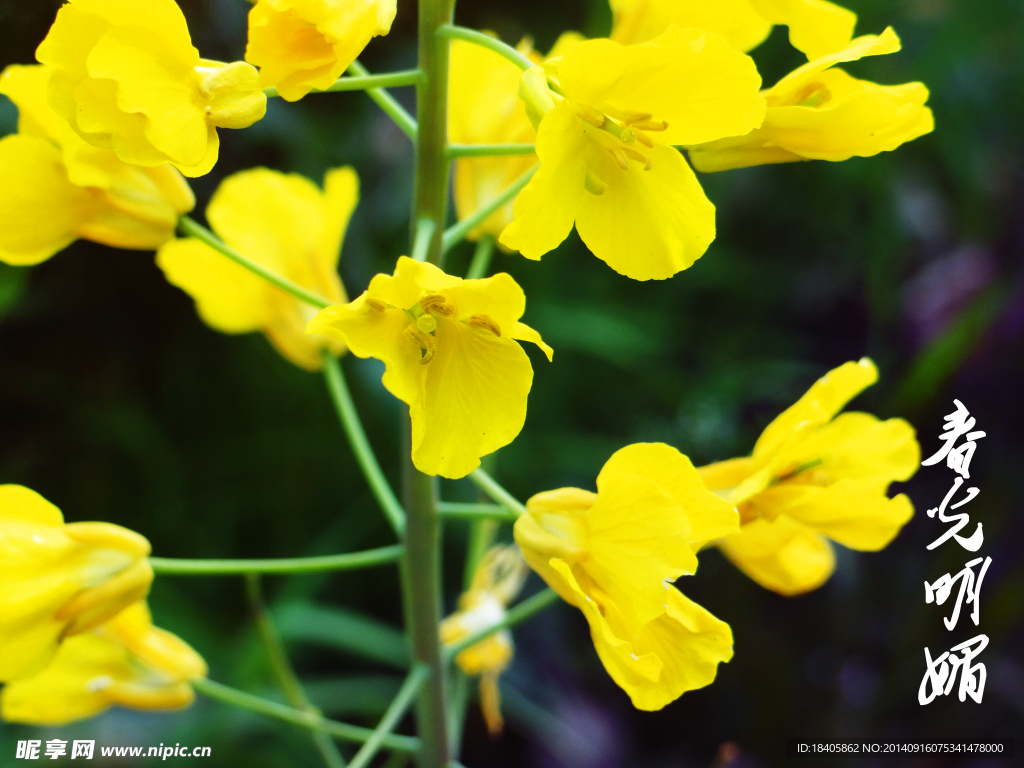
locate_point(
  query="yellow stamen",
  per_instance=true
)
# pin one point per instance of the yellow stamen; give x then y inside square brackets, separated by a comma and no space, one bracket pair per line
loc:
[638,156]
[424,341]
[619,156]
[490,704]
[652,125]
[376,305]
[483,321]
[644,139]
[629,118]
[594,185]
[590,115]
[435,304]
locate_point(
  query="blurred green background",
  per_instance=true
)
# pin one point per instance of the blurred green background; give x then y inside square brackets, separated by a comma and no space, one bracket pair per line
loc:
[117,404]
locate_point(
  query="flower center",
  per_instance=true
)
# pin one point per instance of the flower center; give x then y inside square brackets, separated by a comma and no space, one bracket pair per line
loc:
[624,137]
[423,316]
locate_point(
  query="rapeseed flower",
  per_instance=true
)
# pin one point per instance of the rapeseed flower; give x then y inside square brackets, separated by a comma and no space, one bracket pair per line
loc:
[125,76]
[613,554]
[496,582]
[451,354]
[816,27]
[814,476]
[282,222]
[819,112]
[605,141]
[484,108]
[59,580]
[125,662]
[304,44]
[57,188]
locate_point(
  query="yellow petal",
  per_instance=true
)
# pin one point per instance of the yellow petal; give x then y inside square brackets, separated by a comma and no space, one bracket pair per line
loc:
[858,446]
[710,517]
[819,404]
[637,21]
[41,211]
[152,83]
[370,332]
[690,78]
[724,475]
[659,661]
[648,224]
[305,44]
[228,298]
[638,539]
[816,27]
[856,514]
[474,399]
[547,206]
[782,555]
[127,661]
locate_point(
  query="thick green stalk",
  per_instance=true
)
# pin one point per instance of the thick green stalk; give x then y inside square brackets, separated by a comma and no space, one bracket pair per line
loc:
[421,571]
[287,679]
[176,567]
[310,720]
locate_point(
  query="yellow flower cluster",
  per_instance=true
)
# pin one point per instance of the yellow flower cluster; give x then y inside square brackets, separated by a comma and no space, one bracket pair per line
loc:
[75,634]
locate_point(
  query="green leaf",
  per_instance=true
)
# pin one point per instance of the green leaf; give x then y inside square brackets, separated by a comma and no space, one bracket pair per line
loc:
[342,630]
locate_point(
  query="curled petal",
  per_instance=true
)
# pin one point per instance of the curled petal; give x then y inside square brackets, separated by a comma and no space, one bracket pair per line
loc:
[782,555]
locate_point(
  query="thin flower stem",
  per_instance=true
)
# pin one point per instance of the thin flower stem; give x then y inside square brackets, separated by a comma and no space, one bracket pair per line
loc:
[490,486]
[365,82]
[490,150]
[515,615]
[177,567]
[459,511]
[395,712]
[456,232]
[192,228]
[454,32]
[387,102]
[421,244]
[481,258]
[353,427]
[283,670]
[310,720]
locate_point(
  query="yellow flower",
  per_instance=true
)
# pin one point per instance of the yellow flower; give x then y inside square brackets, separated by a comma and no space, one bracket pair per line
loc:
[126,77]
[496,582]
[304,44]
[816,27]
[606,157]
[450,351]
[818,112]
[57,188]
[484,108]
[282,222]
[125,661]
[612,554]
[59,580]
[816,476]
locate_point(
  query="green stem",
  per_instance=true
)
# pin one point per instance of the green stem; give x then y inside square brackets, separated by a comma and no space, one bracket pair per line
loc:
[395,712]
[310,720]
[353,427]
[192,228]
[456,232]
[364,82]
[421,572]
[421,242]
[490,486]
[481,258]
[486,41]
[479,512]
[387,102]
[489,150]
[171,566]
[283,670]
[515,615]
